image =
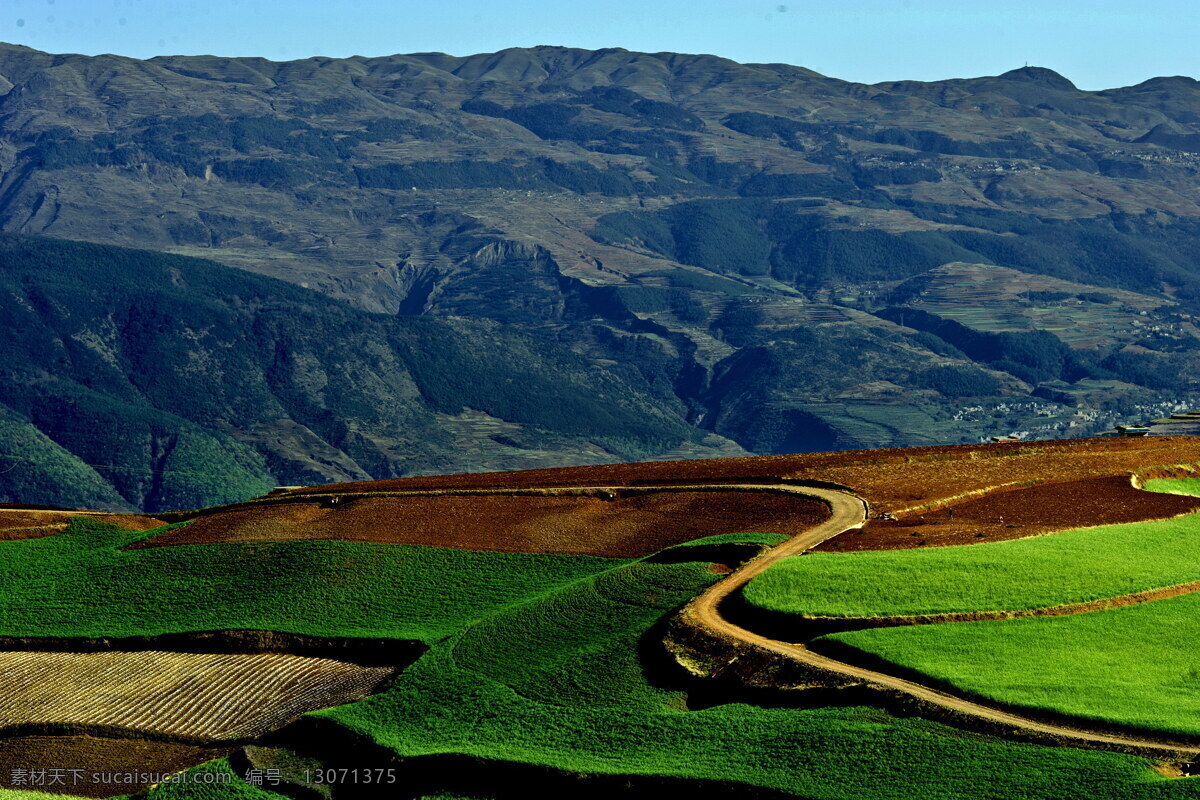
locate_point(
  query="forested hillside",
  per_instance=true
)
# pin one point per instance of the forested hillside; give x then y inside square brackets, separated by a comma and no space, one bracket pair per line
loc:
[134,378]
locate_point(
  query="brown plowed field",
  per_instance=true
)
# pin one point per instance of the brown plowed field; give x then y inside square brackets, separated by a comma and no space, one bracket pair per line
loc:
[630,525]
[98,763]
[1014,513]
[890,480]
[26,523]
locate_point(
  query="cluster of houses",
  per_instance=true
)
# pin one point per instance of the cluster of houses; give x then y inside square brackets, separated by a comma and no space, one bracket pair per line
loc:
[1186,423]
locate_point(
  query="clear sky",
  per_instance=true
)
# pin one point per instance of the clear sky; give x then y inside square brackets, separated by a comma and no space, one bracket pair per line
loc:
[1096,43]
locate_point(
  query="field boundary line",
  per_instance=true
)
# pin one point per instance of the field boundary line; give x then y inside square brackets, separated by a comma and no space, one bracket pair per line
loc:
[830,623]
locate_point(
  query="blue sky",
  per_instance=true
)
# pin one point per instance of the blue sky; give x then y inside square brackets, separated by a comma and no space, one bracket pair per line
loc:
[1096,43]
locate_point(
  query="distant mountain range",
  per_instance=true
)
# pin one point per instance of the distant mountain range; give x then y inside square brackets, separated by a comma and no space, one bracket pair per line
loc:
[547,256]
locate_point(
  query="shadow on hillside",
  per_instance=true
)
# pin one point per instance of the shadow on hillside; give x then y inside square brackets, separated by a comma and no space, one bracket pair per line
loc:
[468,776]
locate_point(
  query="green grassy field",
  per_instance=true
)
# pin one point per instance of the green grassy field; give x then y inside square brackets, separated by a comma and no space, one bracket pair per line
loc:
[1135,666]
[1068,567]
[534,659]
[1188,486]
[80,583]
[555,681]
[215,780]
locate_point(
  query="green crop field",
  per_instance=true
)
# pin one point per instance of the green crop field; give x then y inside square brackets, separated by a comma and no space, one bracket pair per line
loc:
[534,659]
[1067,567]
[1134,666]
[1188,486]
[80,583]
[556,681]
[215,780]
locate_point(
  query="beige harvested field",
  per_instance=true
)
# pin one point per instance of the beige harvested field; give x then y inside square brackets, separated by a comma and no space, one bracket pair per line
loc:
[631,524]
[192,697]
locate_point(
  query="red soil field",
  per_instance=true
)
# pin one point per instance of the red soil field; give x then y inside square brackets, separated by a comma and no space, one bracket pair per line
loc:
[96,758]
[1016,513]
[630,525]
[890,480]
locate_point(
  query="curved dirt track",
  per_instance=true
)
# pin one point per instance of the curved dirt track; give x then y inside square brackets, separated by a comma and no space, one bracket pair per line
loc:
[850,512]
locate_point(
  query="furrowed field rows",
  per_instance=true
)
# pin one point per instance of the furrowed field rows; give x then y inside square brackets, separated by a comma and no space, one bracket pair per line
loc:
[1018,513]
[191,696]
[620,522]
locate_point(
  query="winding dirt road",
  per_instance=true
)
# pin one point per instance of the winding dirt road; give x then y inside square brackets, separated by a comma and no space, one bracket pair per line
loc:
[850,512]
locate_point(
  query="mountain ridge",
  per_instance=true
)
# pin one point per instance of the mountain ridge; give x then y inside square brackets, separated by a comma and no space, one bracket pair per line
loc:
[740,242]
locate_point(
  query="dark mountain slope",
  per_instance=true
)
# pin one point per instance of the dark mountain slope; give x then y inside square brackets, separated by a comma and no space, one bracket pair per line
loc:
[180,382]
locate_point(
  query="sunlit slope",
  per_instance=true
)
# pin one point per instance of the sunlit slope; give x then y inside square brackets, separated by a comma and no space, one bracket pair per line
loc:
[1055,569]
[1134,666]
[81,583]
[563,680]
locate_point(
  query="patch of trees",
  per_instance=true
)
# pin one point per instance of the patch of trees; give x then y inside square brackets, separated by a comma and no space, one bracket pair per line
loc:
[763,126]
[900,174]
[1032,356]
[651,144]
[1018,145]
[626,300]
[957,381]
[546,120]
[753,237]
[791,185]
[1152,370]
[1046,297]
[653,113]
[720,235]
[272,173]
[807,252]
